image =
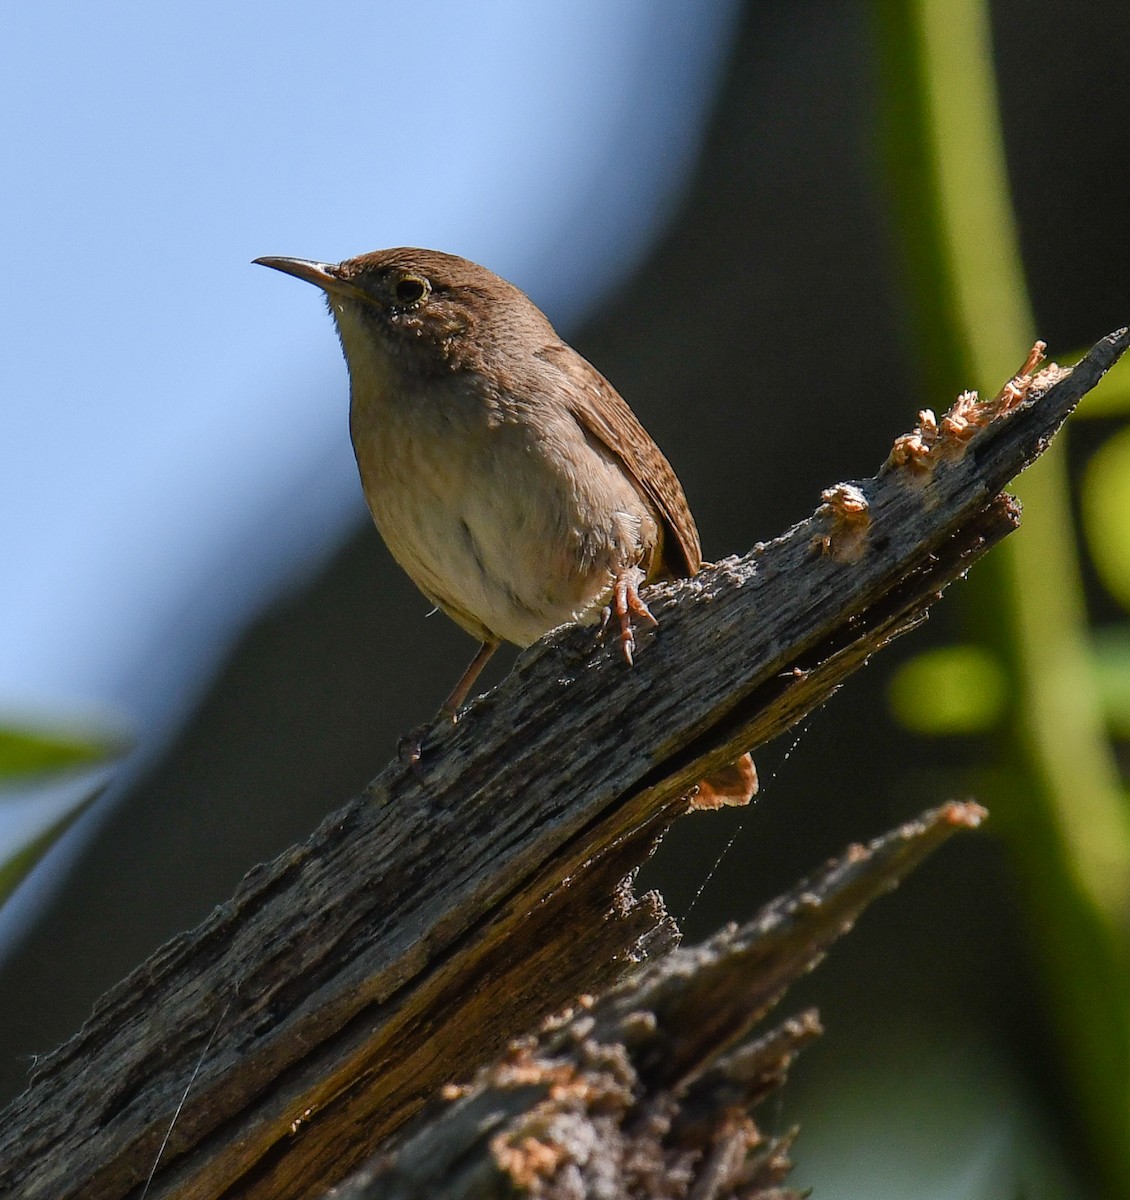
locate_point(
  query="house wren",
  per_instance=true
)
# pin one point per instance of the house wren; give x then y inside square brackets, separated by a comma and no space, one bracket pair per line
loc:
[504,472]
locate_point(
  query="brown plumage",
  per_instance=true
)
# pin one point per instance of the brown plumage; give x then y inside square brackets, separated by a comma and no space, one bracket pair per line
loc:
[600,408]
[505,473]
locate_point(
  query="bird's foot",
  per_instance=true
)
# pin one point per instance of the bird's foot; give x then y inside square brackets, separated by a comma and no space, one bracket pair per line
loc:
[410,746]
[626,603]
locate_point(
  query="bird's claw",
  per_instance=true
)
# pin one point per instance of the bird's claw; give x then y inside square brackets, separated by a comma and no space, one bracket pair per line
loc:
[626,603]
[409,747]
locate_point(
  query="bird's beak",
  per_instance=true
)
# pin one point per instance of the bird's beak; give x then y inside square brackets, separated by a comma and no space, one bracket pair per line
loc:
[322,275]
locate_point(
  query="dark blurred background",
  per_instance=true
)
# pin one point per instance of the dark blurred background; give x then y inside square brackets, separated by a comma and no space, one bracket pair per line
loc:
[767,344]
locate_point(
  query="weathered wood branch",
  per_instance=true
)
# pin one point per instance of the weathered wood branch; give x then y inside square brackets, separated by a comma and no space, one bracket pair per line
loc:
[440,912]
[647,1092]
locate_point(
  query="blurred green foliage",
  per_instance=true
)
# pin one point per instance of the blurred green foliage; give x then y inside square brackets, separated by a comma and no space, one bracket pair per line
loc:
[1112,673]
[15,869]
[27,752]
[1105,506]
[34,755]
[1056,792]
[950,690]
[1113,398]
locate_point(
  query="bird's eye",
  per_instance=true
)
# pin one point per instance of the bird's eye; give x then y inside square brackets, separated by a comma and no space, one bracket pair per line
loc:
[410,289]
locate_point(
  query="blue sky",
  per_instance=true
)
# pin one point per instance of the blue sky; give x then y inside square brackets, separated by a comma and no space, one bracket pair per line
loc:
[173,441]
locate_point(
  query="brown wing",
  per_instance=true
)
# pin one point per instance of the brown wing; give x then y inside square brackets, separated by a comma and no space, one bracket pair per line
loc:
[602,411]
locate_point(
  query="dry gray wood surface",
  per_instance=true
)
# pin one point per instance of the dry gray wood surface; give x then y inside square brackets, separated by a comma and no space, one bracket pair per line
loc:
[647,1091]
[449,907]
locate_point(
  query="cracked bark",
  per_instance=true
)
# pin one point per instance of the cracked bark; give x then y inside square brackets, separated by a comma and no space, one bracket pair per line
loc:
[439,913]
[646,1093]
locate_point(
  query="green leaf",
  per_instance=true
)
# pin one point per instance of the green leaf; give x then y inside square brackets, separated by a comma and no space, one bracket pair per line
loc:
[26,752]
[17,868]
[950,690]
[1104,502]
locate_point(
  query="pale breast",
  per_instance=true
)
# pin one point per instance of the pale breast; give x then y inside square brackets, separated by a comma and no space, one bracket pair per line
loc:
[511,521]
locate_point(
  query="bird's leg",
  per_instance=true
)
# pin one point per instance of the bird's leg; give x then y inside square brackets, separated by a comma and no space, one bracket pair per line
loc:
[450,706]
[408,748]
[626,603]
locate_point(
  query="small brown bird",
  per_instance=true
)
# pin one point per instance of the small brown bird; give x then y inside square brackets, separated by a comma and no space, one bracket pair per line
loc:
[505,473]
